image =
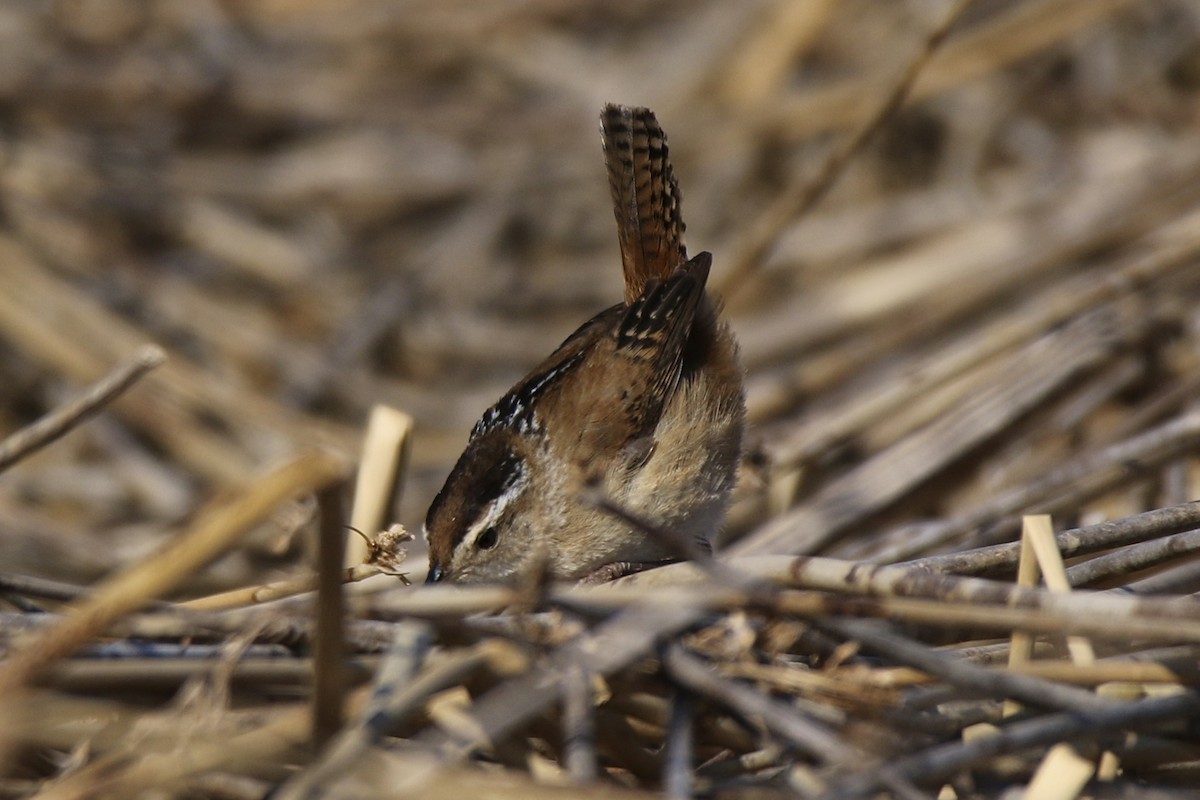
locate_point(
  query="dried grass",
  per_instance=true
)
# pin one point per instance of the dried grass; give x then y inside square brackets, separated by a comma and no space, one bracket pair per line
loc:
[965,275]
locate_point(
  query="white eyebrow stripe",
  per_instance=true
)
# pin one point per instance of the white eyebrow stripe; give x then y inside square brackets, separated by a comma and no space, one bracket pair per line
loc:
[497,507]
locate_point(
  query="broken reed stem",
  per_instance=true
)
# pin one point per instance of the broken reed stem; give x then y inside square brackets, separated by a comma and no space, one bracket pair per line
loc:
[1134,558]
[680,746]
[1077,541]
[836,588]
[277,590]
[63,419]
[1125,670]
[809,736]
[609,646]
[1074,542]
[1178,579]
[42,588]
[329,649]
[794,203]
[162,621]
[164,764]
[579,725]
[210,535]
[411,644]
[942,761]
[999,684]
[385,449]
[168,674]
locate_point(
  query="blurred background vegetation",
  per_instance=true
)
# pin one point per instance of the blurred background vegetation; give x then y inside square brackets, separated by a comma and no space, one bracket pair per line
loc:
[317,206]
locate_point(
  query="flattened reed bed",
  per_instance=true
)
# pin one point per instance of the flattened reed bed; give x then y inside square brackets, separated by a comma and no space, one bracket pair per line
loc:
[959,243]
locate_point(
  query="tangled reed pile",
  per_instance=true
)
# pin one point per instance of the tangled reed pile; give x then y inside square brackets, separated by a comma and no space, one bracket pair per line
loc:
[959,243]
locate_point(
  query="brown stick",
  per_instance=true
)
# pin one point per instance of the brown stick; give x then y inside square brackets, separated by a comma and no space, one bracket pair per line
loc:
[63,419]
[207,538]
[1134,558]
[1028,689]
[410,646]
[1074,542]
[942,761]
[809,736]
[793,204]
[329,650]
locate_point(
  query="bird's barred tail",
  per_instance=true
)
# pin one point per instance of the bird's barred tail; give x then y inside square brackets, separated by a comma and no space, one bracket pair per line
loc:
[646,199]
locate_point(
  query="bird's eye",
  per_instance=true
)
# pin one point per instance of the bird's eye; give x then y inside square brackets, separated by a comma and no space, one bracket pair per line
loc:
[487,540]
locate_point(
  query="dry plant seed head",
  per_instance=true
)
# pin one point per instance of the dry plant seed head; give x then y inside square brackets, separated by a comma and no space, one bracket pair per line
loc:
[387,551]
[644,400]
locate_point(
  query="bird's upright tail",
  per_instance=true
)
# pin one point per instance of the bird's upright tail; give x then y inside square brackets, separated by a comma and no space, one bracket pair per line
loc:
[646,199]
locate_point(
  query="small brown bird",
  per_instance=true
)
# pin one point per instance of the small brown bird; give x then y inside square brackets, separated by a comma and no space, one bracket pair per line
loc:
[644,401]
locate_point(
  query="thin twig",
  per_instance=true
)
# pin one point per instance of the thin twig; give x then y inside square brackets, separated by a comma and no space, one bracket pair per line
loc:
[1136,557]
[159,674]
[608,647]
[63,419]
[410,647]
[276,590]
[1074,542]
[943,761]
[208,537]
[1181,579]
[807,735]
[43,588]
[996,683]
[793,204]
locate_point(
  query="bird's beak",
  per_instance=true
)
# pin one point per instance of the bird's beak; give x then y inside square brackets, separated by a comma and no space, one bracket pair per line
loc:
[435,574]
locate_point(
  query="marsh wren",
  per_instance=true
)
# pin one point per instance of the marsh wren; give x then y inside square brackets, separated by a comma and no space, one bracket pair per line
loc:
[644,402]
